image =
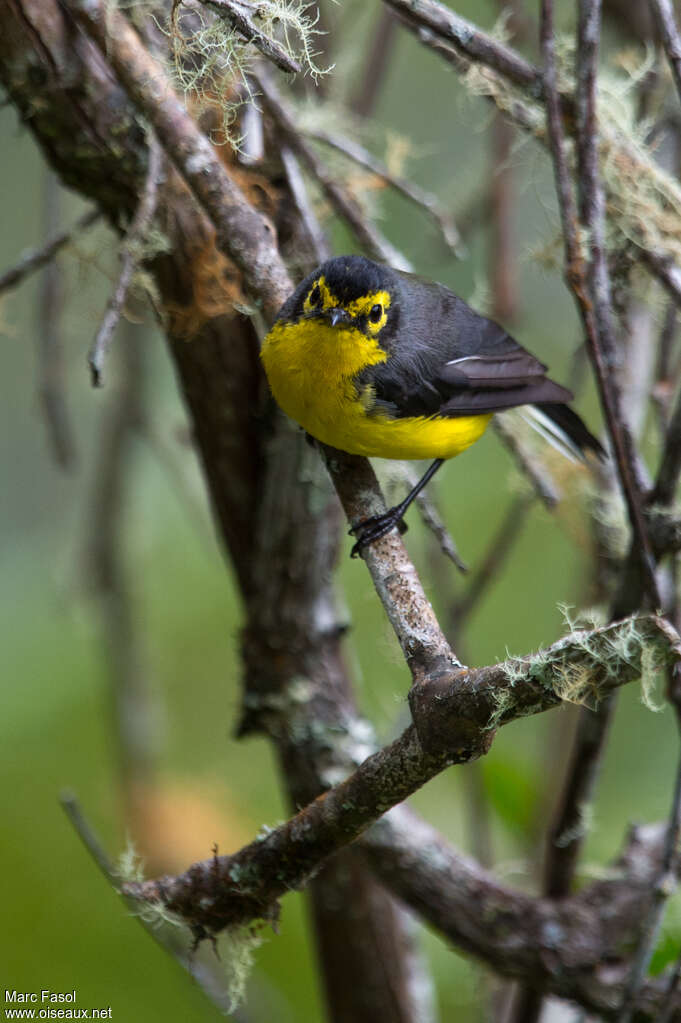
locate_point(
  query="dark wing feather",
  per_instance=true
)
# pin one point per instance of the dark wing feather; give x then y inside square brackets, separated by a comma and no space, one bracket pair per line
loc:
[446,359]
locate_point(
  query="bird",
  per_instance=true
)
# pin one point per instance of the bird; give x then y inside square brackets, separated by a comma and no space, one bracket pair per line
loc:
[378,362]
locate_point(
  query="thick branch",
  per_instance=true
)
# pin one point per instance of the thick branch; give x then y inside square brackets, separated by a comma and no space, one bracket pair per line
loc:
[242,233]
[573,948]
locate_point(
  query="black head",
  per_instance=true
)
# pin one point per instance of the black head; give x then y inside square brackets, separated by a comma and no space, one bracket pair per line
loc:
[348,291]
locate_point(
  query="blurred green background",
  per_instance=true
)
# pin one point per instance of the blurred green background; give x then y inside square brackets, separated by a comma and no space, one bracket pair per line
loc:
[64,928]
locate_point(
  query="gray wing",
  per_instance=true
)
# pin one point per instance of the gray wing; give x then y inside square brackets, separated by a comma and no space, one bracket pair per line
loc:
[446,359]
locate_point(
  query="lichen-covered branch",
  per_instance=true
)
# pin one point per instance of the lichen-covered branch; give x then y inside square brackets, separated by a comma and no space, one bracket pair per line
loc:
[237,14]
[456,713]
[242,232]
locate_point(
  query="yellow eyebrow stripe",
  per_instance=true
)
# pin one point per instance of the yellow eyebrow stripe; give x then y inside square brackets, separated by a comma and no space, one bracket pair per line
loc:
[364,304]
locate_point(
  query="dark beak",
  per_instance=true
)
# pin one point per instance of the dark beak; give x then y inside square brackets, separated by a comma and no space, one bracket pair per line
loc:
[336,316]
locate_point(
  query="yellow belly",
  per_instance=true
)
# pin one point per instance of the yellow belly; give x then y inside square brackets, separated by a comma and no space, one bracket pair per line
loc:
[311,369]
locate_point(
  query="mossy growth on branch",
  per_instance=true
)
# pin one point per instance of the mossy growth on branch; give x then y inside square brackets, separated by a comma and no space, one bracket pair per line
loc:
[211,59]
[588,663]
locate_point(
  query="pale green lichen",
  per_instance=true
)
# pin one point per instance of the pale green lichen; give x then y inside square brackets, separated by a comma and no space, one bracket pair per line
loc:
[130,866]
[643,200]
[588,662]
[236,947]
[211,60]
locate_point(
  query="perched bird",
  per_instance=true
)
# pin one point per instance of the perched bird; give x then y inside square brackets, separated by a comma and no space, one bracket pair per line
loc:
[382,363]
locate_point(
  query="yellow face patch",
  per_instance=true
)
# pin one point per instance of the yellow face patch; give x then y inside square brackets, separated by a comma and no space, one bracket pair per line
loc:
[319,297]
[368,305]
[374,306]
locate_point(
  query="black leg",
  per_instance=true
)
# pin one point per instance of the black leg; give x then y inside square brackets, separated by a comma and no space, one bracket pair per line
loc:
[369,530]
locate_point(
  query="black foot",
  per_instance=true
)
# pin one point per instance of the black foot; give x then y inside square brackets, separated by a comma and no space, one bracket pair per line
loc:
[369,530]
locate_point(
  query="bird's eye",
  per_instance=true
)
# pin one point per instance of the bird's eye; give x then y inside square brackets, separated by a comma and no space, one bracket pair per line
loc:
[375,313]
[315,297]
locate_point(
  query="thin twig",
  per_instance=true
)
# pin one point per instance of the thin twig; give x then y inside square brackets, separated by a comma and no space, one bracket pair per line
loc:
[51,384]
[316,235]
[131,257]
[530,466]
[501,248]
[343,203]
[568,830]
[34,259]
[461,43]
[471,41]
[419,196]
[663,16]
[177,941]
[591,286]
[405,473]
[376,64]
[500,547]
[668,474]
[669,1008]
[237,14]
[90,840]
[665,373]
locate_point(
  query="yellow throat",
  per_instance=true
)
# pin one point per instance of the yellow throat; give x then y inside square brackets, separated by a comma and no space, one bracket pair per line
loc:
[311,367]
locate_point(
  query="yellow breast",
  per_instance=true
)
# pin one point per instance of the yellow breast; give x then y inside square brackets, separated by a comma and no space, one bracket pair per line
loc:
[311,368]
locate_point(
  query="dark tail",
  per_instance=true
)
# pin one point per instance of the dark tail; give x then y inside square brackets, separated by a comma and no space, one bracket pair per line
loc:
[573,428]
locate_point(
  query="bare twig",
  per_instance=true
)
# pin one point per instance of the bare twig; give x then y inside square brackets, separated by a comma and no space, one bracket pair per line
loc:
[49,343]
[665,270]
[405,473]
[501,261]
[419,196]
[663,16]
[316,235]
[569,827]
[131,257]
[665,372]
[238,14]
[209,973]
[538,476]
[470,41]
[344,204]
[34,259]
[668,474]
[500,547]
[590,286]
[376,64]
[669,1008]
[601,343]
[90,840]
